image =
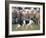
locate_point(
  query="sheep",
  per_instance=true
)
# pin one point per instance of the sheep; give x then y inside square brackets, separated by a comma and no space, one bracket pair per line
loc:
[37,15]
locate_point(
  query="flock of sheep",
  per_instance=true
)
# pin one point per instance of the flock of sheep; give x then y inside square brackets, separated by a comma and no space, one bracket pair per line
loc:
[25,16]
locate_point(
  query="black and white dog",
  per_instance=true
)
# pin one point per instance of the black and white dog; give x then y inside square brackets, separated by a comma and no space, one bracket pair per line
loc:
[24,22]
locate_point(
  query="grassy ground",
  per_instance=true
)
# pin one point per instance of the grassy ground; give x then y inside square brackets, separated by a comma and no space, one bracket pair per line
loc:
[25,28]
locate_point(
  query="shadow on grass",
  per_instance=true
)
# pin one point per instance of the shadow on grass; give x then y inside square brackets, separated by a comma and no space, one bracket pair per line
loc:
[25,28]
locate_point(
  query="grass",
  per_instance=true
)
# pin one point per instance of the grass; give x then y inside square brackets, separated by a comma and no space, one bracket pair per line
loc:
[25,28]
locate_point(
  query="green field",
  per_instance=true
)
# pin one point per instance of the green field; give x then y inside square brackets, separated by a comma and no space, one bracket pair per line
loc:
[23,28]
